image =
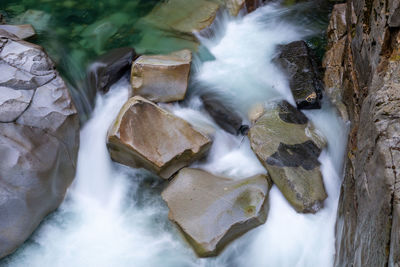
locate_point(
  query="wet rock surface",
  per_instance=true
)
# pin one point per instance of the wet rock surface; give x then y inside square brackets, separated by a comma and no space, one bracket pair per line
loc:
[39,139]
[108,69]
[288,146]
[144,135]
[367,227]
[224,115]
[297,61]
[212,211]
[162,78]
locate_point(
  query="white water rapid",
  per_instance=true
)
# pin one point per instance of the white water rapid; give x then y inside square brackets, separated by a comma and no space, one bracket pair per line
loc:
[114,215]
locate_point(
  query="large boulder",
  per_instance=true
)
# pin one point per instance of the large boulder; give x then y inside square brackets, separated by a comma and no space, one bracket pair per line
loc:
[39,139]
[298,63]
[288,146]
[211,211]
[224,115]
[145,135]
[162,78]
[108,69]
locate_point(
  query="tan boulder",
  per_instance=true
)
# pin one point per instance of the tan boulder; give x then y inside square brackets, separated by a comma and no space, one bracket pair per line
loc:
[288,146]
[212,211]
[147,136]
[162,78]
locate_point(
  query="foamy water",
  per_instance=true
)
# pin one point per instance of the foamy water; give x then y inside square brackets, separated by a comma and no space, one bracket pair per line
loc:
[114,215]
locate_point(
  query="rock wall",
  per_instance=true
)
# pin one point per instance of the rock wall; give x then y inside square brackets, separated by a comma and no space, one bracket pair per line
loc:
[368,223]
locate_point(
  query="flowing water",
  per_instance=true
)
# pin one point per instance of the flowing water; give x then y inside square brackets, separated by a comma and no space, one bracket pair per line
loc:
[114,215]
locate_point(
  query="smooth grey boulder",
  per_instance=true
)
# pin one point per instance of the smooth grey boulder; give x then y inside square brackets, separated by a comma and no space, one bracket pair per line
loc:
[39,139]
[212,211]
[288,146]
[146,136]
[297,62]
[21,31]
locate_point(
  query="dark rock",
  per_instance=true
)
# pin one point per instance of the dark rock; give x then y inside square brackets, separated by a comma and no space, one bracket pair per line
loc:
[108,69]
[226,117]
[39,139]
[299,64]
[211,211]
[287,145]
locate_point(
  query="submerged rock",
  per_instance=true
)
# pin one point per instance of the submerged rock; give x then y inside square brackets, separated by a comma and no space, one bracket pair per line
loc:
[298,63]
[21,31]
[226,117]
[288,146]
[162,78]
[39,139]
[185,16]
[145,135]
[108,69]
[212,211]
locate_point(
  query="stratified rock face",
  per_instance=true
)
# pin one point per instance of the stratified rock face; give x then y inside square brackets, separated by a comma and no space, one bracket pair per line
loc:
[39,139]
[162,78]
[298,63]
[21,31]
[108,69]
[212,211]
[226,117]
[288,146]
[145,135]
[368,228]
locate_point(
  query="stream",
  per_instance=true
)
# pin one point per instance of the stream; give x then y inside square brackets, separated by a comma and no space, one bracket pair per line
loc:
[114,215]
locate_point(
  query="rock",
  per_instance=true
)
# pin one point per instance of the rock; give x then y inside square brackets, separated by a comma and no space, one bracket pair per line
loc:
[337,25]
[39,19]
[367,226]
[21,31]
[39,139]
[287,145]
[226,117]
[255,112]
[162,78]
[252,5]
[212,211]
[185,16]
[108,69]
[298,63]
[234,6]
[144,135]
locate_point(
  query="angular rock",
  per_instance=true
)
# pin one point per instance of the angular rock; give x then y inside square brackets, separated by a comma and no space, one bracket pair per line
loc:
[226,117]
[108,69]
[21,31]
[162,78]
[288,146]
[298,63]
[39,139]
[234,6]
[212,211]
[145,135]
